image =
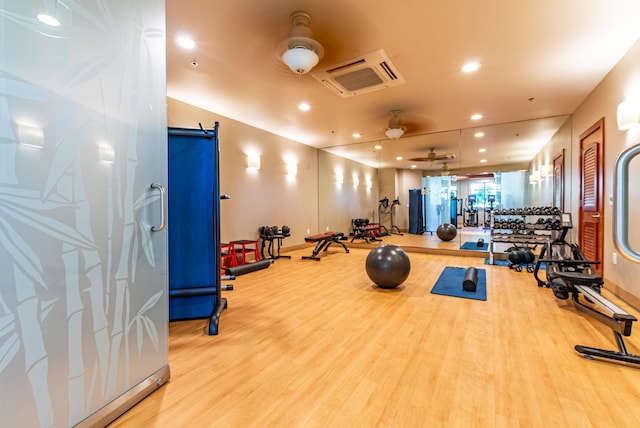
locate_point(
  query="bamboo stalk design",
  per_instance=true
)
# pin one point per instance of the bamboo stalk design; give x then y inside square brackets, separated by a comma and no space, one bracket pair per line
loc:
[99,262]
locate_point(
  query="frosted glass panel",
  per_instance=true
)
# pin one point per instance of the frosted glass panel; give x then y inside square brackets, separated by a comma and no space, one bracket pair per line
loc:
[83,313]
[514,186]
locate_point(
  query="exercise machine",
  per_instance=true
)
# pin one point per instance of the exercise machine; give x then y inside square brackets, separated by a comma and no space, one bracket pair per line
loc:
[194,262]
[323,241]
[394,228]
[570,274]
[491,200]
[385,208]
[471,212]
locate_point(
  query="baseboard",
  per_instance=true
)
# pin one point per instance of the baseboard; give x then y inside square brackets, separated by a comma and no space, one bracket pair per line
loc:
[111,411]
[294,247]
[623,295]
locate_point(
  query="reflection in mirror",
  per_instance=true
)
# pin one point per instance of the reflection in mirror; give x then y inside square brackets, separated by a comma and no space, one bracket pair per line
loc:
[453,177]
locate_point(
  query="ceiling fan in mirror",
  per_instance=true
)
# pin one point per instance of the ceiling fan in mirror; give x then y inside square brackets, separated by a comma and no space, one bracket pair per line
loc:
[445,169]
[432,156]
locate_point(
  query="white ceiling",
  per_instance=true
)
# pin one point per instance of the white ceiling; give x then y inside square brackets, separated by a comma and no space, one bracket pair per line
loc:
[539,59]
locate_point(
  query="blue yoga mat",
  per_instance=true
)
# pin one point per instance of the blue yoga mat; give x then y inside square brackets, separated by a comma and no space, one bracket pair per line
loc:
[474,246]
[450,284]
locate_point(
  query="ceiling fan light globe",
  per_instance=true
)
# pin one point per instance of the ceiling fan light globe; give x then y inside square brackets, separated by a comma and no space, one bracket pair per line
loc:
[300,59]
[394,133]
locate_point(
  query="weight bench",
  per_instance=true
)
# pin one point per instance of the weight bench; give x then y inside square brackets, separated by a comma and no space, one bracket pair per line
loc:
[323,241]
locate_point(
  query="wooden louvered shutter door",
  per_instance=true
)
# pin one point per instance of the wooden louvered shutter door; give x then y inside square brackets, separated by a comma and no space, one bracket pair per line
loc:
[590,234]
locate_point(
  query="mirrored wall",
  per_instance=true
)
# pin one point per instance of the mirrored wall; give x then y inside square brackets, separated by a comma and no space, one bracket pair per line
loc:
[410,186]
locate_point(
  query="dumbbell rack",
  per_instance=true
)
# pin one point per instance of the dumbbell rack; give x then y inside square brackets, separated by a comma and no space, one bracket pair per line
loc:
[526,226]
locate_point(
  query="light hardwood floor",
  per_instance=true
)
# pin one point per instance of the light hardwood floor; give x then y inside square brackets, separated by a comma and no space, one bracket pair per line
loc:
[315,344]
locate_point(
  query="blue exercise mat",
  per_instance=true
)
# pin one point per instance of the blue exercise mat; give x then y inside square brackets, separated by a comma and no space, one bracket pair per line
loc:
[474,246]
[450,284]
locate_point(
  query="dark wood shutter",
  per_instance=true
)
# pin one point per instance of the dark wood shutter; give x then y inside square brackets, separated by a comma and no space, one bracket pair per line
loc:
[590,241]
[589,183]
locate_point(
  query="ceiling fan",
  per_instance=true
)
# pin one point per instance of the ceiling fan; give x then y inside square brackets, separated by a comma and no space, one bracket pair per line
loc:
[432,156]
[396,128]
[445,169]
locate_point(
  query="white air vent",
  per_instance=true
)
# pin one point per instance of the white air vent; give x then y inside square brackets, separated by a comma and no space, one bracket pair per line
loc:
[370,72]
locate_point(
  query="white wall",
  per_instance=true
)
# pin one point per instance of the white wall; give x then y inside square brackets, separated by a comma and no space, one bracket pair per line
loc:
[340,203]
[541,193]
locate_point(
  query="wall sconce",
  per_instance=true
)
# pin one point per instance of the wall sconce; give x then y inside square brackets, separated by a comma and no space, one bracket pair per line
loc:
[55,13]
[356,181]
[253,162]
[292,169]
[369,183]
[534,177]
[339,178]
[31,136]
[106,153]
[546,170]
[628,114]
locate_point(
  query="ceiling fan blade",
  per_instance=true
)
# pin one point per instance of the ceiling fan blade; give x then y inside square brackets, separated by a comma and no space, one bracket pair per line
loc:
[449,156]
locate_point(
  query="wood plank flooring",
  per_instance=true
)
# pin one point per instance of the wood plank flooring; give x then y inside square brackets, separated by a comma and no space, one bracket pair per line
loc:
[315,344]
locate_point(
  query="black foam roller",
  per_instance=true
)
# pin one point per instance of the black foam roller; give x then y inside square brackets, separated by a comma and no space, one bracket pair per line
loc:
[248,267]
[193,291]
[470,279]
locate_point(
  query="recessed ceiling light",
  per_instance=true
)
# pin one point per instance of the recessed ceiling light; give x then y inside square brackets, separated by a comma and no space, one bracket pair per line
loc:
[48,20]
[378,147]
[399,158]
[476,116]
[357,135]
[186,42]
[479,134]
[470,67]
[483,161]
[482,150]
[304,106]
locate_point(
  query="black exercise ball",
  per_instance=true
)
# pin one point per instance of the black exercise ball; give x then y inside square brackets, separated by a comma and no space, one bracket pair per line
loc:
[446,232]
[388,266]
[527,256]
[516,256]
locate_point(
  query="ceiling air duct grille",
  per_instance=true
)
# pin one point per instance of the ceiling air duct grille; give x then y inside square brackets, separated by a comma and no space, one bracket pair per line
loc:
[370,72]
